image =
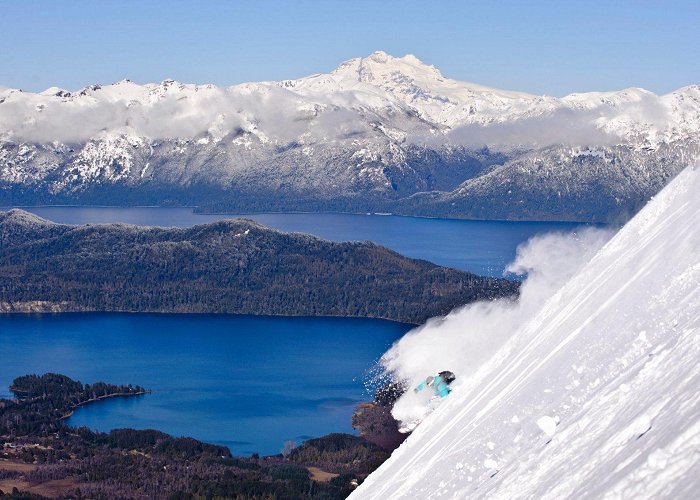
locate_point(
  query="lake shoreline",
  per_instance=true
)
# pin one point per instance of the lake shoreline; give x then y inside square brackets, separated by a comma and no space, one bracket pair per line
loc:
[480,247]
[195,211]
[246,382]
[48,308]
[106,396]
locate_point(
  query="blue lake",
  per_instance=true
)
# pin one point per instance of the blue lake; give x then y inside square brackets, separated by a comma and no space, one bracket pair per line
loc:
[250,383]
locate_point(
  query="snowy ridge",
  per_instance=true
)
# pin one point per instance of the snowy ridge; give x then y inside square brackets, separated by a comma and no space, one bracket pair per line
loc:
[596,396]
[380,84]
[377,134]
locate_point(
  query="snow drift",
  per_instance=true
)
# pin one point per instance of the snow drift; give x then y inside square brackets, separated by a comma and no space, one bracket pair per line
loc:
[595,394]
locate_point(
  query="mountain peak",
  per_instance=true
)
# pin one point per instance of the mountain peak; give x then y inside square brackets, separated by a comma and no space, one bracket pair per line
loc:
[381,66]
[55,92]
[379,56]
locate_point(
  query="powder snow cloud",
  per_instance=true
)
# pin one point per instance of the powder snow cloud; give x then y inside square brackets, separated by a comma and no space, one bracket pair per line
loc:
[468,337]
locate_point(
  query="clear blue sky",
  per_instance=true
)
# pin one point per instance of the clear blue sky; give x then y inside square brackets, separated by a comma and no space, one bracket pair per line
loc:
[552,47]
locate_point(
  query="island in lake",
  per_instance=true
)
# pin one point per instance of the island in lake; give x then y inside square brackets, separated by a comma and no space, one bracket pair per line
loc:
[231,266]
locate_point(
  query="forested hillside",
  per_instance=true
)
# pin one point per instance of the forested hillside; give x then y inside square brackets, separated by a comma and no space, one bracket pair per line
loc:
[232,266]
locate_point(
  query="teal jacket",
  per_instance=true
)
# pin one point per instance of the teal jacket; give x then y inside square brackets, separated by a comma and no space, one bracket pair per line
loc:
[439,386]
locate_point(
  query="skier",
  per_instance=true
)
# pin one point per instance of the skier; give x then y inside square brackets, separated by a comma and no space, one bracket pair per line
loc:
[440,383]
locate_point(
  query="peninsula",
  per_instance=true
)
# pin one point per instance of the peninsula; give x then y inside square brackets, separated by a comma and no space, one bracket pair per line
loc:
[233,266]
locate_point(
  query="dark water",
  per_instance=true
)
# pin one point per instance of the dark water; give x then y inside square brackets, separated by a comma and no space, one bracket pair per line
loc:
[482,247]
[250,383]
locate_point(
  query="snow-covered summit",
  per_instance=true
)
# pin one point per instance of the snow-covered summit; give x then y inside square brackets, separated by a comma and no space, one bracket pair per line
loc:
[383,70]
[442,100]
[373,131]
[596,395]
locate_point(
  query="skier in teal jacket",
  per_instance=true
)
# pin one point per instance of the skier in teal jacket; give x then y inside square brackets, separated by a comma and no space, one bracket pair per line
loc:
[440,383]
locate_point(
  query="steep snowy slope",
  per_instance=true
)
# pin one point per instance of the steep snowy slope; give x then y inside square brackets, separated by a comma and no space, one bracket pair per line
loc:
[596,395]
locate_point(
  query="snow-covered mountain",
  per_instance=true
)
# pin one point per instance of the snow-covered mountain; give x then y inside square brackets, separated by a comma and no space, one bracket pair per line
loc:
[366,136]
[595,394]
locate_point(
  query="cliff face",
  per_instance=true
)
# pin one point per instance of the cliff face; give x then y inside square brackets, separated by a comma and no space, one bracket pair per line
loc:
[232,266]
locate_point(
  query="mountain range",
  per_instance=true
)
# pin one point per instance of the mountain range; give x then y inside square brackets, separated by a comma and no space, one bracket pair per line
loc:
[377,134]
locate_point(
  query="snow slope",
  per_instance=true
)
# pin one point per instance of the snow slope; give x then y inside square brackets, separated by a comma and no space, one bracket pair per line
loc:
[597,395]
